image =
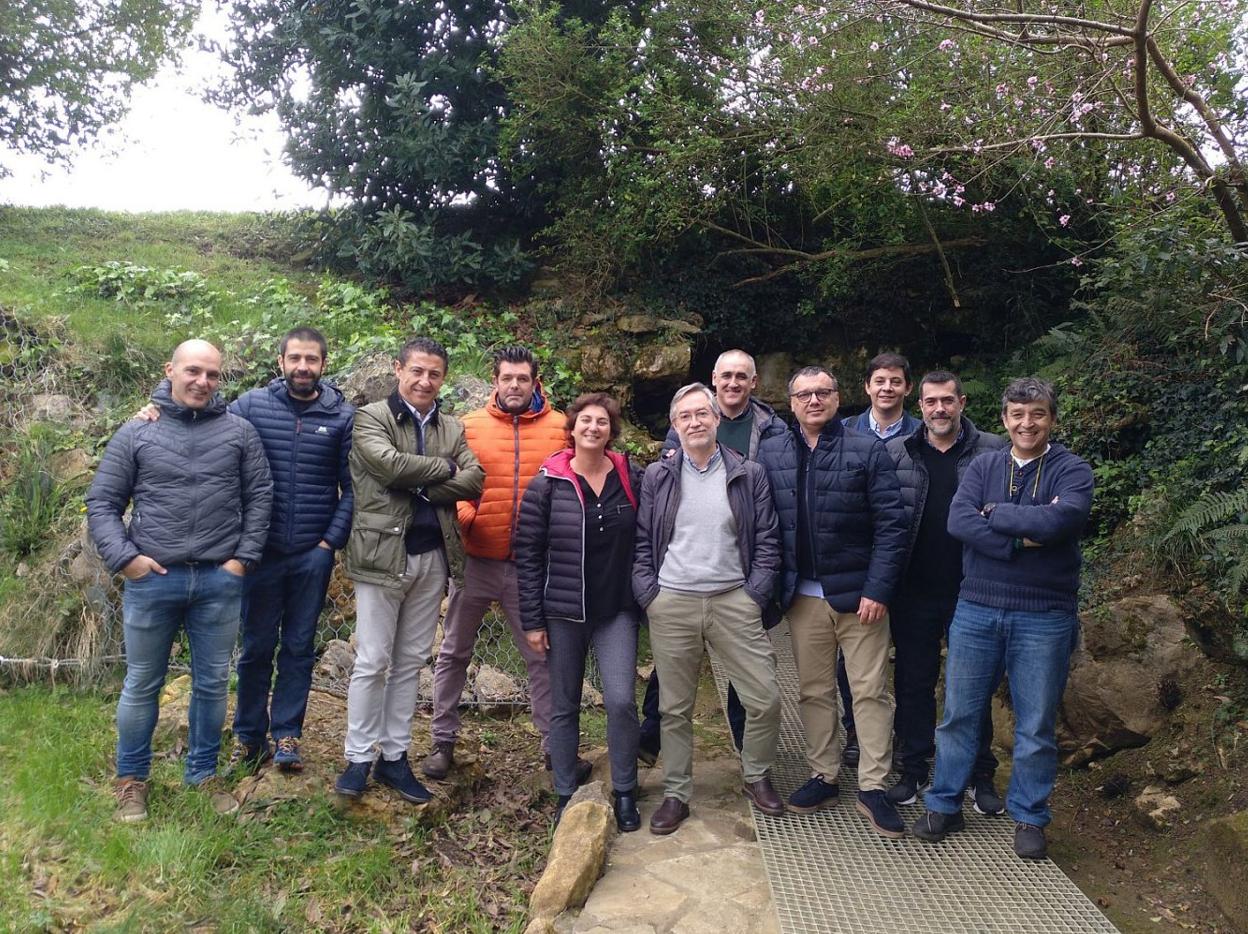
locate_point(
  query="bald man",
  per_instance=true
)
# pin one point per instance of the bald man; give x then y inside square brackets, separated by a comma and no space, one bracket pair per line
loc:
[201,491]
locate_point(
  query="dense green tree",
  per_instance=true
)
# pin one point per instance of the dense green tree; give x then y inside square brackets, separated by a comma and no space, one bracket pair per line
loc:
[67,67]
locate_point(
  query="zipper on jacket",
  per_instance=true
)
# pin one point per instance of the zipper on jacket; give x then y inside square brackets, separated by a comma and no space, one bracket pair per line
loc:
[294,459]
[515,486]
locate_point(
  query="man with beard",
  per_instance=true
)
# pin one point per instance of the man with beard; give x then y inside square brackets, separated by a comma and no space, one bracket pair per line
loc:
[305,427]
[930,463]
[511,436]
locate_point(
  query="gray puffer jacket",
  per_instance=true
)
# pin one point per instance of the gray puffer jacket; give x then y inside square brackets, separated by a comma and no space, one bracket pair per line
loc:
[199,481]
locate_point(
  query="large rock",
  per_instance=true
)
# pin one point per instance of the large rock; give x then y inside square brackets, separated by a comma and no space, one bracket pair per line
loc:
[774,370]
[70,466]
[369,379]
[603,365]
[496,689]
[175,701]
[1226,854]
[1111,701]
[663,361]
[336,661]
[1157,808]
[464,394]
[577,855]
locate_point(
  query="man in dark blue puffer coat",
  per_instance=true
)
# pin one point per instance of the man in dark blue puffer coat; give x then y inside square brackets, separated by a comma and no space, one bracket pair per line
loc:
[305,426]
[843,532]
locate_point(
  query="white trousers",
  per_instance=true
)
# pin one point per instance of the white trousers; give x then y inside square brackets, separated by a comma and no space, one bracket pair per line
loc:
[394,632]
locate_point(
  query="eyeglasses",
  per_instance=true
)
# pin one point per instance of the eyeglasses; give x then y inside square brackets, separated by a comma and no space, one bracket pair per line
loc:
[700,415]
[804,397]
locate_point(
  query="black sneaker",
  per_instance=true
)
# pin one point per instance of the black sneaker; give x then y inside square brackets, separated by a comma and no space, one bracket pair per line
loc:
[584,769]
[246,759]
[648,752]
[906,791]
[987,801]
[1029,841]
[352,782]
[398,775]
[934,826]
[850,754]
[881,814]
[815,795]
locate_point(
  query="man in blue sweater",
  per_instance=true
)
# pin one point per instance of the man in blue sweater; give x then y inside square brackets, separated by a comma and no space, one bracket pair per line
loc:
[1019,514]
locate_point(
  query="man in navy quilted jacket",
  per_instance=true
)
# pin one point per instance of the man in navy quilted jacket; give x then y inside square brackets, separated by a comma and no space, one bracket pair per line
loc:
[305,426]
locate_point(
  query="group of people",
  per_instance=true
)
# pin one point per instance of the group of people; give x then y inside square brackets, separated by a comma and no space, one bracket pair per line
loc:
[866,533]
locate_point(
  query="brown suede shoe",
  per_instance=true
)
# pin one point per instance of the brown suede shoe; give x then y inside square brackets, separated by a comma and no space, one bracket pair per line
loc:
[764,797]
[670,815]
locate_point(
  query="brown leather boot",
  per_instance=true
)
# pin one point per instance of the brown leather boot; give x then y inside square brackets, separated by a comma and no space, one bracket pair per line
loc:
[765,797]
[670,815]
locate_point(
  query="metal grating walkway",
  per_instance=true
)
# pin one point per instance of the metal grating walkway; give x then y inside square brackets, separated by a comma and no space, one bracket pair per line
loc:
[830,872]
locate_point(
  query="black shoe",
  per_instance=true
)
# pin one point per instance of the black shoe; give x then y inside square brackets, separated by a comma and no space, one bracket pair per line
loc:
[1029,841]
[987,801]
[648,752]
[398,775]
[627,817]
[560,806]
[881,814]
[352,782]
[583,769]
[815,795]
[906,791]
[934,826]
[850,754]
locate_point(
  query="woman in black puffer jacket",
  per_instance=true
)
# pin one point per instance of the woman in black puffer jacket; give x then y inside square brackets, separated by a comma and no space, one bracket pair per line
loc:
[574,557]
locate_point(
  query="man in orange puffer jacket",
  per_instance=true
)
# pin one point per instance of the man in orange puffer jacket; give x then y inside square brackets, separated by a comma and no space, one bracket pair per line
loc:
[511,436]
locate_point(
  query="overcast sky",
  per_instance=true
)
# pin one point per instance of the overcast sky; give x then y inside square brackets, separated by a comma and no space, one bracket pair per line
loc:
[172,152]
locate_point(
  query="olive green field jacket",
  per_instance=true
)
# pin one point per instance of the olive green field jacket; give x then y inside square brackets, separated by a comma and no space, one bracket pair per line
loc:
[386,471]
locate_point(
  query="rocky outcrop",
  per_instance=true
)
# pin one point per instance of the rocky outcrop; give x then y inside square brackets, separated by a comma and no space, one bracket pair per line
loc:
[577,856]
[1156,808]
[1130,648]
[1226,854]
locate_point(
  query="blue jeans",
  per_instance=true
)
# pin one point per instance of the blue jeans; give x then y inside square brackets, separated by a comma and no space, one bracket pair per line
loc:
[282,602]
[204,600]
[1035,649]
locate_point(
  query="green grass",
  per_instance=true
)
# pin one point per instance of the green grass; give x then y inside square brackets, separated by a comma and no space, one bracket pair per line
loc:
[65,862]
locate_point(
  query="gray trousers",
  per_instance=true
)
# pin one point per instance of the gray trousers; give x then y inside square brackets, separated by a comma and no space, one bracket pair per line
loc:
[615,647]
[394,638]
[731,623]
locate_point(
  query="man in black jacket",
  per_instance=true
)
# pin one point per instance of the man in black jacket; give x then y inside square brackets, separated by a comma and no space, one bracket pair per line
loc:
[202,494]
[843,532]
[704,567]
[930,464]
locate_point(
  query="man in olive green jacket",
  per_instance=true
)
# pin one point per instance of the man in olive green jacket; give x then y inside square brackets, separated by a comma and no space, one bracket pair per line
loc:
[410,464]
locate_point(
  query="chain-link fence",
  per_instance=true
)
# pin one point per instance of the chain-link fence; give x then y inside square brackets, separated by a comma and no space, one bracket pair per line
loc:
[60,612]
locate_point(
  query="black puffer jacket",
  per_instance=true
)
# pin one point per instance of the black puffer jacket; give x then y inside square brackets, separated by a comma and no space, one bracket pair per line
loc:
[749,498]
[549,543]
[200,483]
[857,523]
[912,474]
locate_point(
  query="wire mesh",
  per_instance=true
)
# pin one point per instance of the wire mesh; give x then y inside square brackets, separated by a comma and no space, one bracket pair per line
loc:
[830,872]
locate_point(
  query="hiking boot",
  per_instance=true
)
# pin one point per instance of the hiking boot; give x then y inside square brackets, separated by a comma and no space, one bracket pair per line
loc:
[131,795]
[560,806]
[881,814]
[670,815]
[906,791]
[624,804]
[287,757]
[851,754]
[815,795]
[398,775]
[583,769]
[353,780]
[987,801]
[934,826]
[1029,841]
[246,759]
[764,797]
[222,801]
[437,764]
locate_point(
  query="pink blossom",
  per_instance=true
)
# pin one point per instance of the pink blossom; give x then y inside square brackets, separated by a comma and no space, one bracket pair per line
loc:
[875,46]
[1032,81]
[899,149]
[1049,163]
[1076,261]
[1169,197]
[947,45]
[1064,220]
[958,201]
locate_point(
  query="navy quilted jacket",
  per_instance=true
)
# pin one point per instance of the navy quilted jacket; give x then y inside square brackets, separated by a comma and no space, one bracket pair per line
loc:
[857,520]
[307,454]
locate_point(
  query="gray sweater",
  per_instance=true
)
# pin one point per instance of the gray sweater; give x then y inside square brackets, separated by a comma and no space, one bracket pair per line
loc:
[199,481]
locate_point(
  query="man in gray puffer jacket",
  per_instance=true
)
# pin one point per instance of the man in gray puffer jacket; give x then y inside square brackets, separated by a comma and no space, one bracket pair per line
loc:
[202,493]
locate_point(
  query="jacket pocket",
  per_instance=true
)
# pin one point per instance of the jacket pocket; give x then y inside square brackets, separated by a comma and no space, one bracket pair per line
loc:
[376,544]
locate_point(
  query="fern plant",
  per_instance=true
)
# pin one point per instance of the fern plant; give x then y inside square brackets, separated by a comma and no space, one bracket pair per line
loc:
[1216,521]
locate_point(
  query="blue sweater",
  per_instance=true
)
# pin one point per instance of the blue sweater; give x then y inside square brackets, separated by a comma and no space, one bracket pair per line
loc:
[998,571]
[307,453]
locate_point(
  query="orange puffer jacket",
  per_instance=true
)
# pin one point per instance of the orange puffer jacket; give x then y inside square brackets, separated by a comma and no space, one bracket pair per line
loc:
[511,448]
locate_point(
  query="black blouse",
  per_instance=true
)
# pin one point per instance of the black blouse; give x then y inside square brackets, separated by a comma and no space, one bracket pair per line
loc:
[610,523]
